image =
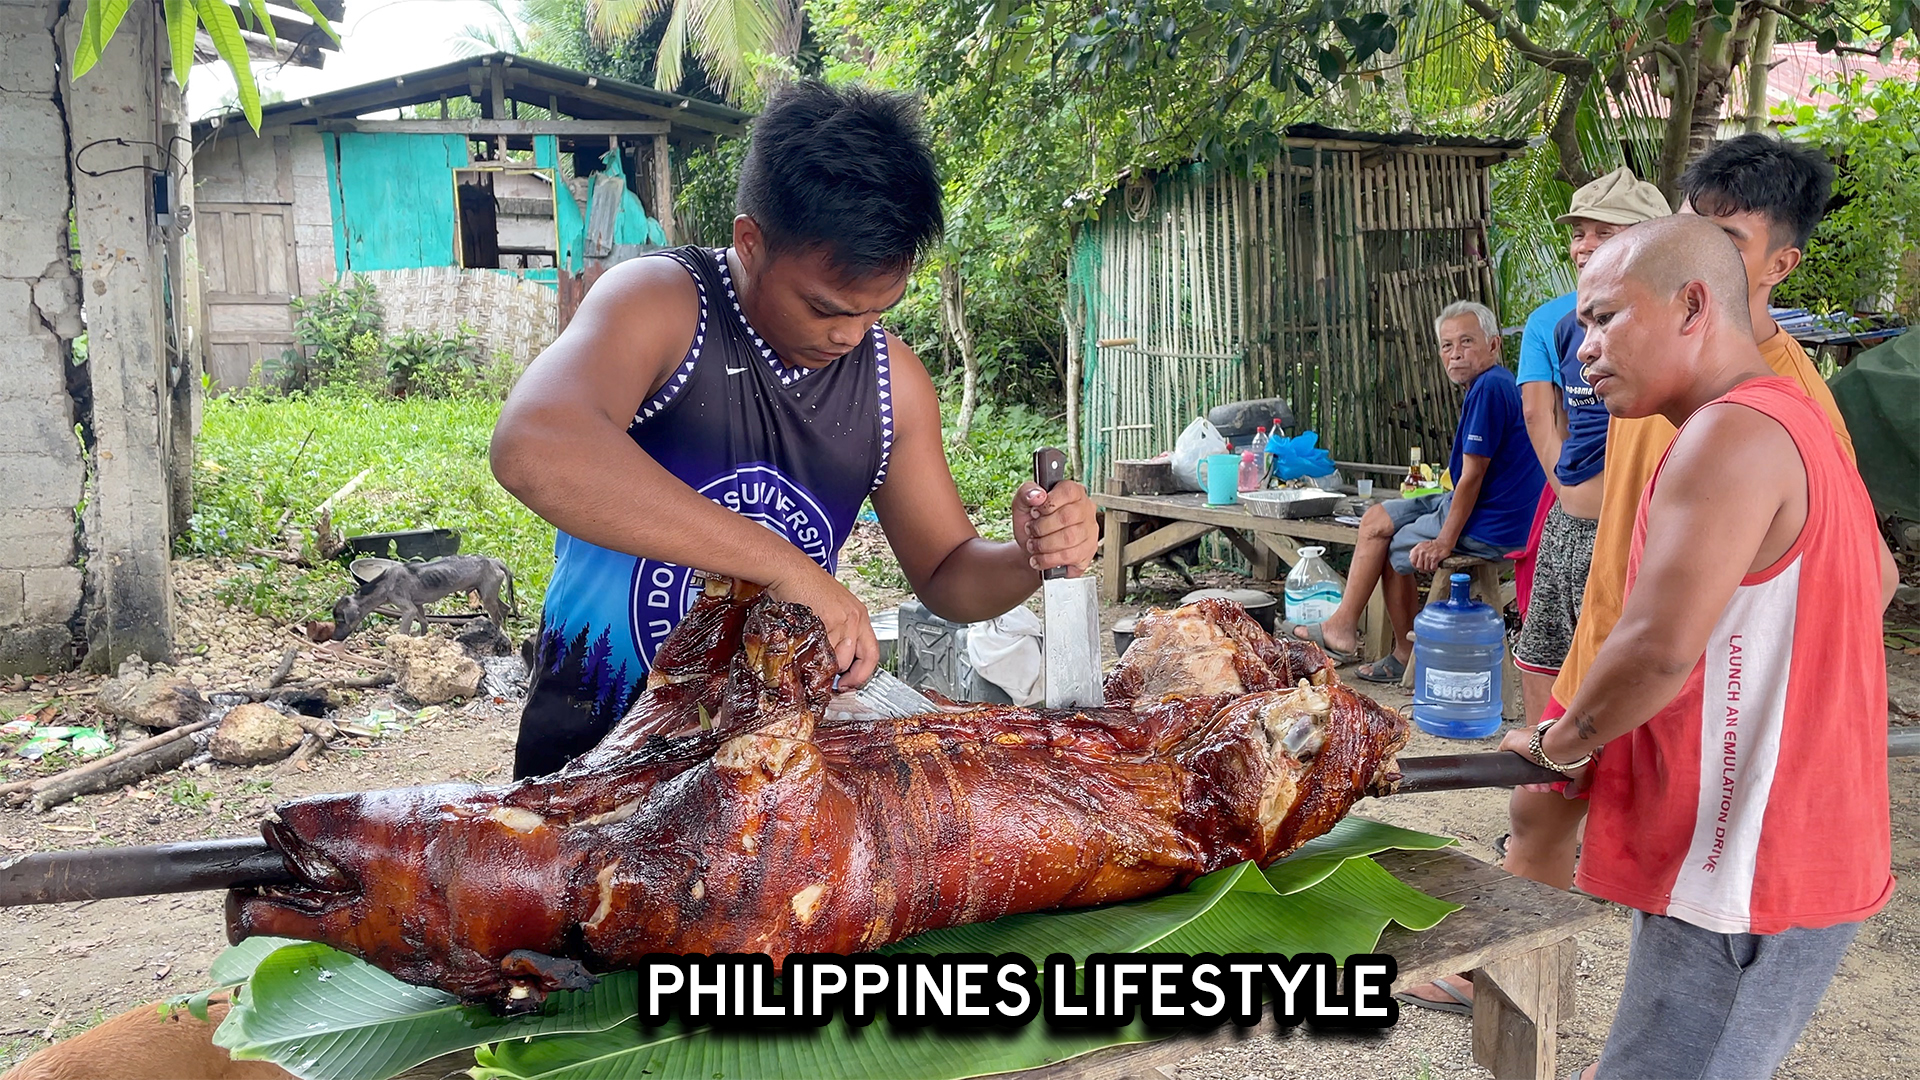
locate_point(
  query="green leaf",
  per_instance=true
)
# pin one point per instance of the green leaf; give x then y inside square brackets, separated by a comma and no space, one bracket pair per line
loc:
[1352,838]
[1237,49]
[1680,24]
[1726,7]
[224,31]
[182,20]
[329,1016]
[319,20]
[1827,39]
[236,963]
[263,22]
[97,27]
[1332,62]
[1528,10]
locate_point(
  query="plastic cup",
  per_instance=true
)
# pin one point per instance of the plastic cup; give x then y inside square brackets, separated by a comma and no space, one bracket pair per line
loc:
[1366,488]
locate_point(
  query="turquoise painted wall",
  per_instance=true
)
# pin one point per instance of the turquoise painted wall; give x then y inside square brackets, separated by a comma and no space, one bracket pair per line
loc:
[394,207]
[393,199]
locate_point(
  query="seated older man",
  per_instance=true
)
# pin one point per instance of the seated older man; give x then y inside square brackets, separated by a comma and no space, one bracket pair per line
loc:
[1496,484]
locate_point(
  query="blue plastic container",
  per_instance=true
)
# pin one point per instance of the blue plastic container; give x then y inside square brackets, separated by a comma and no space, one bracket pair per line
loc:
[1458,646]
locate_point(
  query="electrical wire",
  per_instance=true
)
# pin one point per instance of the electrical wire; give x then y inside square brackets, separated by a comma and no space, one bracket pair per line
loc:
[165,149]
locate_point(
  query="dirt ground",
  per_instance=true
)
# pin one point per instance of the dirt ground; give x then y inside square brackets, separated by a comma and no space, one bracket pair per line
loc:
[66,967]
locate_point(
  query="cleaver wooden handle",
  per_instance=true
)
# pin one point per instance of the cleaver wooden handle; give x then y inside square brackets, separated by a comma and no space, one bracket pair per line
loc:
[1049,468]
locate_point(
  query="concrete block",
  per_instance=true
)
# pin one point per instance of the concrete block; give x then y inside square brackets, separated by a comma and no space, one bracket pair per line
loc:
[33,184]
[12,598]
[42,481]
[26,50]
[34,364]
[37,650]
[58,298]
[51,594]
[16,310]
[42,426]
[32,538]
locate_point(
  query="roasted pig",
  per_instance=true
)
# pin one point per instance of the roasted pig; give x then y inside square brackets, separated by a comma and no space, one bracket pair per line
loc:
[725,814]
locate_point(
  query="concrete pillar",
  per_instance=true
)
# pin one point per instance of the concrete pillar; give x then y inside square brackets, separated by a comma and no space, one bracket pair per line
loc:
[42,471]
[120,251]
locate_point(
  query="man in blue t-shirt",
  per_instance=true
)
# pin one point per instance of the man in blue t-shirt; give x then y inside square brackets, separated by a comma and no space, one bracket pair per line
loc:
[1496,484]
[1568,427]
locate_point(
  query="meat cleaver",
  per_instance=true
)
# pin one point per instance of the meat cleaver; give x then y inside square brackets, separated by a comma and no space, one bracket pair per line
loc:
[1072,628]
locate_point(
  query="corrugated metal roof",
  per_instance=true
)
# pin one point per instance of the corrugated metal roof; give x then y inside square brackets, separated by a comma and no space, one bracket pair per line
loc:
[579,94]
[1401,138]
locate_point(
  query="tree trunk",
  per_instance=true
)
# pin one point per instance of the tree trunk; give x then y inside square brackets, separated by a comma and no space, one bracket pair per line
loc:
[1759,56]
[1564,134]
[1674,141]
[953,311]
[1719,54]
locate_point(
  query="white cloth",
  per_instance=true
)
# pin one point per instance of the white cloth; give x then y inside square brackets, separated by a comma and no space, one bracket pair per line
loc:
[1006,652]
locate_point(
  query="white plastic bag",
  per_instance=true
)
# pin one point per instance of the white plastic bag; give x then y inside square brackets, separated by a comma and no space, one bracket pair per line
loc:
[1006,653]
[1195,443]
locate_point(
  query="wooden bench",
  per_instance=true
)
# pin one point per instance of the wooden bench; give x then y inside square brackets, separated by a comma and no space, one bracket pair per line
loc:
[1514,935]
[1269,544]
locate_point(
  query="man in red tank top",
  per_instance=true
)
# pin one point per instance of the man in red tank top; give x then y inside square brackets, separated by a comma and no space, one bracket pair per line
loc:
[1735,751]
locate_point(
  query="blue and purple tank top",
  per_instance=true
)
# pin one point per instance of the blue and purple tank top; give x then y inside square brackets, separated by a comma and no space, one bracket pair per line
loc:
[794,449]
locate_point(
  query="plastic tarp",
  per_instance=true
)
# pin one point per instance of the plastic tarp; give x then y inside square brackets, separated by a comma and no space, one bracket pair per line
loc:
[1879,396]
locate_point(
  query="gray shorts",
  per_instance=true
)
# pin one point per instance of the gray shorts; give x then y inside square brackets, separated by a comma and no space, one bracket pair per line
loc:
[1559,583]
[1415,521]
[1704,1006]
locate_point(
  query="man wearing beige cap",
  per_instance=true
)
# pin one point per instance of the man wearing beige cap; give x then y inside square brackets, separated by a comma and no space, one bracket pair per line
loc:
[1567,425]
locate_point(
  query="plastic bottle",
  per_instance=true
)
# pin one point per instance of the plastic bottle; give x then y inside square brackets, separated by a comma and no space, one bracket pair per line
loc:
[1458,646]
[1313,589]
[1249,471]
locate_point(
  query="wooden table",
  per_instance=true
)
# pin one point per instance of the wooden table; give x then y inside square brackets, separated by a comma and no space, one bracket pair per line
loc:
[1268,543]
[1515,935]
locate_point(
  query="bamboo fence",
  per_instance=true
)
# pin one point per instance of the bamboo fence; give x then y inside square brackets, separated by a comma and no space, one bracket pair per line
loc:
[1316,280]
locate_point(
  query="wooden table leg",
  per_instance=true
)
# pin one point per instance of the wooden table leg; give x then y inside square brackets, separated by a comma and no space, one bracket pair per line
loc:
[1516,1014]
[1113,569]
[1378,641]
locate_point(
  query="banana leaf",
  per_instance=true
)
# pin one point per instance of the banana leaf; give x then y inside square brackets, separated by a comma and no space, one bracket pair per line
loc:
[324,1015]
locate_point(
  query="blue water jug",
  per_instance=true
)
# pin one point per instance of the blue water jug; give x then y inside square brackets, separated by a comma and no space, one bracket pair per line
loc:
[1458,645]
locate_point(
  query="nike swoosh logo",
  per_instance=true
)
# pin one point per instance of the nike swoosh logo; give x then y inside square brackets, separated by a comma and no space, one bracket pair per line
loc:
[735,370]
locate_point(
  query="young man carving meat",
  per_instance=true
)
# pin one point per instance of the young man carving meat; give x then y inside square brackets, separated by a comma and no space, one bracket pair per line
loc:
[729,410]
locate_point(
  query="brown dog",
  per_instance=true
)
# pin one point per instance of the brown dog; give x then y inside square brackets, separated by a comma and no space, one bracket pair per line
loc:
[141,1044]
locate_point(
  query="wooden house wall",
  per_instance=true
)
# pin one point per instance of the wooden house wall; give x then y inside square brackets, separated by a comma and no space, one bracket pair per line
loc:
[1316,281]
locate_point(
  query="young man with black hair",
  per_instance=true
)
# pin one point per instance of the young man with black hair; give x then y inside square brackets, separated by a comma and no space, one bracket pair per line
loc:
[1766,195]
[729,411]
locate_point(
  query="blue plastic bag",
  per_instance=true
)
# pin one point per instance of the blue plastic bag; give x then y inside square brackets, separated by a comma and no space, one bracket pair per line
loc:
[1299,456]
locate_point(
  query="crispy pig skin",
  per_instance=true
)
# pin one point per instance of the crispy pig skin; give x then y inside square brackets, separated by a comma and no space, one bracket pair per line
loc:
[724,814]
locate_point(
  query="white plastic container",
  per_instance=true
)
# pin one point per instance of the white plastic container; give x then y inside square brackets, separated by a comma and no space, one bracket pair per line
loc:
[1313,589]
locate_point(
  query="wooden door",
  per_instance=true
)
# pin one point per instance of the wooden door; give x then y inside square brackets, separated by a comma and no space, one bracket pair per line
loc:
[246,254]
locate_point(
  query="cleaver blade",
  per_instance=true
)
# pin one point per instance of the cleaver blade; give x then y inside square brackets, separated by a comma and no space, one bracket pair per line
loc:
[1071,644]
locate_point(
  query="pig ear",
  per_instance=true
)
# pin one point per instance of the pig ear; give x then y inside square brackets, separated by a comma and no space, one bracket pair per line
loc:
[531,976]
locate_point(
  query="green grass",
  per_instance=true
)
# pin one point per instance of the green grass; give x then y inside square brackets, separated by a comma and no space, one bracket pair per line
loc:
[997,458]
[261,457]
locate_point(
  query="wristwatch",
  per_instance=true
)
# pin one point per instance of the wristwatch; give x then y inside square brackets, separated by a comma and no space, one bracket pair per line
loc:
[1540,754]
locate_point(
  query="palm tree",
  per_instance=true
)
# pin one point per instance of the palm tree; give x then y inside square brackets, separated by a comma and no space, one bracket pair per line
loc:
[724,34]
[501,35]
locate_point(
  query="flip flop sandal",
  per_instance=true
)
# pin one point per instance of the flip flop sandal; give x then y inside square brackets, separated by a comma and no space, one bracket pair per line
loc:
[1387,669]
[1319,637]
[1461,1004]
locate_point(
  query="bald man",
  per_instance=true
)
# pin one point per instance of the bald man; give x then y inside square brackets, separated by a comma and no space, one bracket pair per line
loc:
[1740,804]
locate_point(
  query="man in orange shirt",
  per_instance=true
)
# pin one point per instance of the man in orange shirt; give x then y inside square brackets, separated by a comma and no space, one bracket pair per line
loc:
[1767,195]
